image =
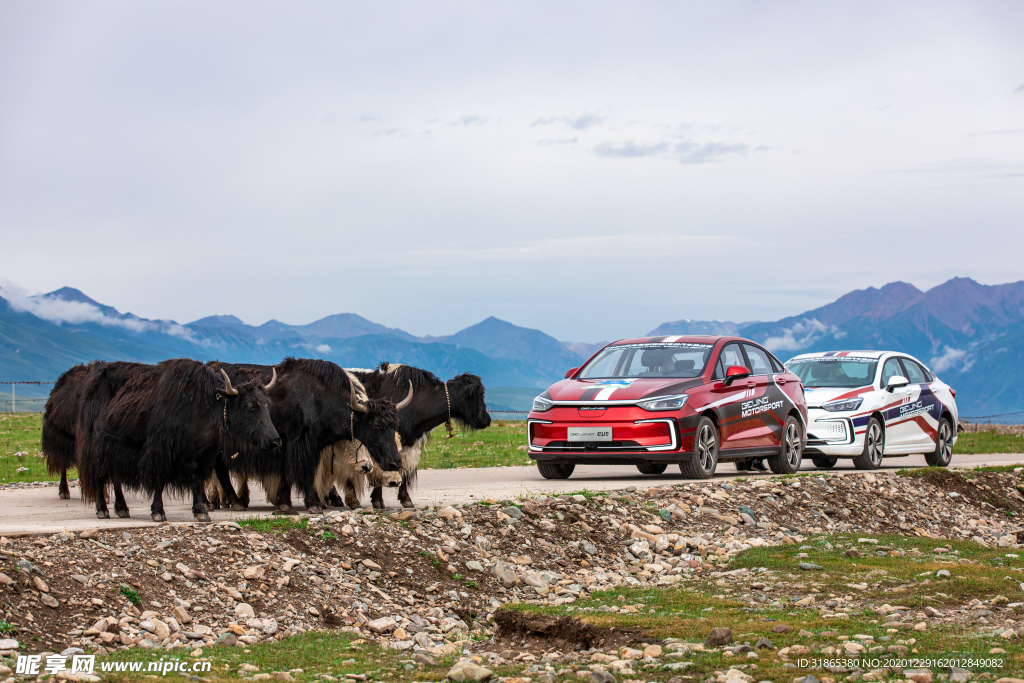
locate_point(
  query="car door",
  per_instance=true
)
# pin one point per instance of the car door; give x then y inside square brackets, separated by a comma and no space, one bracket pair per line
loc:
[898,434]
[727,399]
[921,413]
[763,407]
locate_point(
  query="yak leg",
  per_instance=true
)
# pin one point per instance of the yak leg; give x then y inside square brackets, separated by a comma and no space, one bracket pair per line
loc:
[312,500]
[101,504]
[63,491]
[157,508]
[120,506]
[284,499]
[403,495]
[243,494]
[231,498]
[377,498]
[333,499]
[351,499]
[198,511]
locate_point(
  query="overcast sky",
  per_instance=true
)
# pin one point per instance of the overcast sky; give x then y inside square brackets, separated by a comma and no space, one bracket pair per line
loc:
[591,169]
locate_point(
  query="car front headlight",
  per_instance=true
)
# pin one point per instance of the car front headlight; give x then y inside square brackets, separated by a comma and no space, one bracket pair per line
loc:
[843,406]
[541,405]
[664,402]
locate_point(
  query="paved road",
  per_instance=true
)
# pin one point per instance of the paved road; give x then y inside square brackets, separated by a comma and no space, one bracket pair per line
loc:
[38,510]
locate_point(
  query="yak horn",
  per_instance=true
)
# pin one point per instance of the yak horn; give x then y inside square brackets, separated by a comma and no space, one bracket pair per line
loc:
[228,389]
[407,400]
[355,403]
[273,381]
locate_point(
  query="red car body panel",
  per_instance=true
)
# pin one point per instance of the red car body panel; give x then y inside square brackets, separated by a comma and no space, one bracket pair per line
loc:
[750,412]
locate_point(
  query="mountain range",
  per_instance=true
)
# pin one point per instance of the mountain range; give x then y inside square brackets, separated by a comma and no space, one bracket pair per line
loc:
[970,334]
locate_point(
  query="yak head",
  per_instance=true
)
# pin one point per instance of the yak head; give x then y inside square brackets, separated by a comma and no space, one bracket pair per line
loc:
[467,396]
[375,424]
[247,414]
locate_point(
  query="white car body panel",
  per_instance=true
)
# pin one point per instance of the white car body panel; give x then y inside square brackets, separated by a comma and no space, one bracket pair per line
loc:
[910,414]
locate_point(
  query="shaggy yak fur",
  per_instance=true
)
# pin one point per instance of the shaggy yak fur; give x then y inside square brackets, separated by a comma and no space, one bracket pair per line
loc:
[154,427]
[429,408]
[59,422]
[312,411]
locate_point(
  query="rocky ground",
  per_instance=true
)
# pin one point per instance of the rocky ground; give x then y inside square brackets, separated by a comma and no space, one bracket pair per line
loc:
[436,583]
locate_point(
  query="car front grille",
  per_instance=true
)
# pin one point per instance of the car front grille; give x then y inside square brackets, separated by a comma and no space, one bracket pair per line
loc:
[596,446]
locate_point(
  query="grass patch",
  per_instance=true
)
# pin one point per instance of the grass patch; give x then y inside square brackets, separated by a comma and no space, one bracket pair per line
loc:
[497,446]
[972,443]
[277,525]
[21,457]
[131,595]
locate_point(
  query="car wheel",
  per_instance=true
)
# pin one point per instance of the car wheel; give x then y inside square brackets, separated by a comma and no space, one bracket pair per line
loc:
[651,468]
[943,453]
[550,470]
[705,452]
[791,453]
[874,447]
[824,463]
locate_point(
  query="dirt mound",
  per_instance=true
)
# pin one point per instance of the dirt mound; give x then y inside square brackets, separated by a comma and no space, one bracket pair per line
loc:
[536,632]
[997,490]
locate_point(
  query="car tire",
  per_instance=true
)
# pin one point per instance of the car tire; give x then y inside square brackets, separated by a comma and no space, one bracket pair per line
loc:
[651,468]
[874,447]
[943,453]
[824,463]
[791,452]
[550,470]
[705,452]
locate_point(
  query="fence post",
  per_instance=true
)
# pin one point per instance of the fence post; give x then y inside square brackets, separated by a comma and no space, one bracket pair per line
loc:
[13,401]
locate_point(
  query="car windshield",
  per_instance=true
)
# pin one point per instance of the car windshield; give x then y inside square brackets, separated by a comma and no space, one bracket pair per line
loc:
[831,371]
[648,360]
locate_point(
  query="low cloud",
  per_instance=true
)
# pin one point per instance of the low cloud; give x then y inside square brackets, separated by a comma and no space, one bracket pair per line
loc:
[629,150]
[689,152]
[576,122]
[548,142]
[471,120]
[951,359]
[802,334]
[60,312]
[323,348]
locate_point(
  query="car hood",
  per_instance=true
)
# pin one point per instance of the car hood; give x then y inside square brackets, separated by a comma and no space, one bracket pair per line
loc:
[815,397]
[618,390]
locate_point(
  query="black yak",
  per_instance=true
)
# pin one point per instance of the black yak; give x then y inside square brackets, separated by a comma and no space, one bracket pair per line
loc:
[314,406]
[434,403]
[152,427]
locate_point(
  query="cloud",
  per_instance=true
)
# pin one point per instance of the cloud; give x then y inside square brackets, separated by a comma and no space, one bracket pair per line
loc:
[987,168]
[689,152]
[629,150]
[60,311]
[802,335]
[547,142]
[323,348]
[1019,88]
[471,120]
[576,122]
[951,359]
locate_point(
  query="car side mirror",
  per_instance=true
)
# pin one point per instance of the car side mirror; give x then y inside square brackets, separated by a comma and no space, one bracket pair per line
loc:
[735,372]
[570,372]
[895,382]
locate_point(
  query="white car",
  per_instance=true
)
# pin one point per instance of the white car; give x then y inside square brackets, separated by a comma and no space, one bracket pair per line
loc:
[867,405]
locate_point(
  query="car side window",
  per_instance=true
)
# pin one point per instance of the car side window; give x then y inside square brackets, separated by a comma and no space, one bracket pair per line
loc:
[776,364]
[731,355]
[915,373]
[889,370]
[759,364]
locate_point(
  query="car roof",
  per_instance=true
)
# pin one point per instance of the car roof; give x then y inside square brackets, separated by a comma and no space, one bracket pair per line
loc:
[840,354]
[674,339]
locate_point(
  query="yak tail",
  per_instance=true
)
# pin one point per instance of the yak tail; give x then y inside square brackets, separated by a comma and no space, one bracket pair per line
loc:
[59,448]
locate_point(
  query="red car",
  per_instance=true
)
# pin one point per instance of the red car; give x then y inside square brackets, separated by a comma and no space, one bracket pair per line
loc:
[654,401]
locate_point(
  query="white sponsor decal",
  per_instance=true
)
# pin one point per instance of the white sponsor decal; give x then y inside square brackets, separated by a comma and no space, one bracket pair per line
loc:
[758,406]
[911,409]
